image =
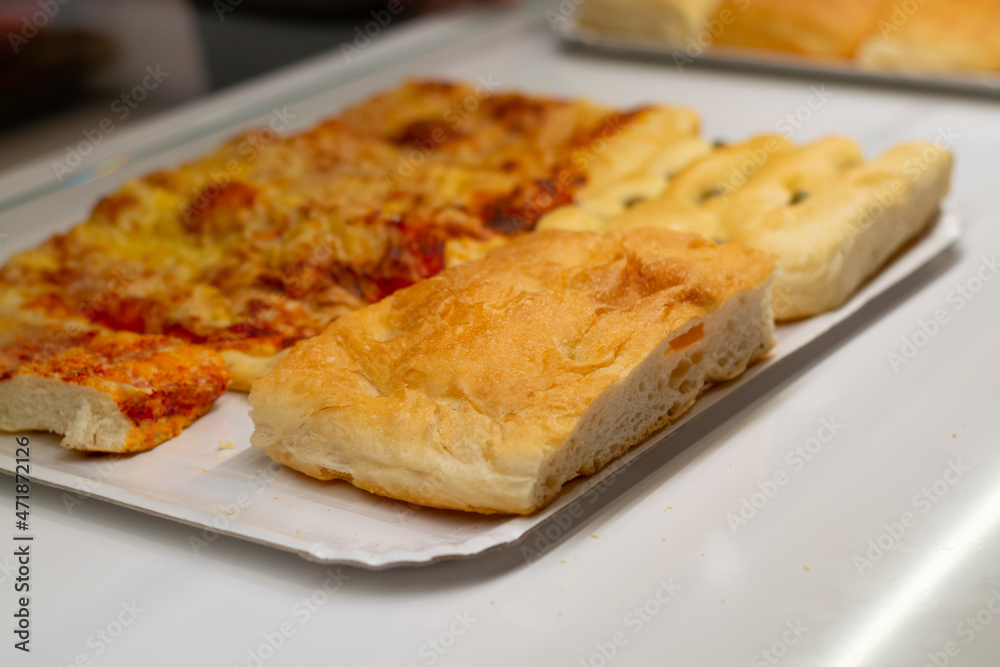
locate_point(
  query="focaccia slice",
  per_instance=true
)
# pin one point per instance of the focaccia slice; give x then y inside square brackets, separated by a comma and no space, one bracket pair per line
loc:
[830,218]
[104,391]
[489,386]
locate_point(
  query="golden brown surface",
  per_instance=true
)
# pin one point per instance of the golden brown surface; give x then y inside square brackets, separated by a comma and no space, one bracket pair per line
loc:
[829,217]
[484,370]
[935,36]
[160,384]
[823,28]
[270,238]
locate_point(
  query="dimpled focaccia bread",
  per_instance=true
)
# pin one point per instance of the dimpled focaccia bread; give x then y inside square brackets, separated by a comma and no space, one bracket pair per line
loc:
[830,218]
[490,385]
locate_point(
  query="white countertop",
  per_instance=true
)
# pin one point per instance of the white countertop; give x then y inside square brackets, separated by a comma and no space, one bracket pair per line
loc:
[880,546]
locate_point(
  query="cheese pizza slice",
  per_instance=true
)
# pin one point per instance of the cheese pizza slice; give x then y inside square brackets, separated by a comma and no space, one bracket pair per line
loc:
[271,238]
[104,391]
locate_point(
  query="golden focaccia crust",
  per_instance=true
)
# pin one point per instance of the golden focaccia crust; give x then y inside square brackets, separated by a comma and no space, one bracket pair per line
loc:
[104,391]
[490,385]
[941,36]
[830,218]
[270,238]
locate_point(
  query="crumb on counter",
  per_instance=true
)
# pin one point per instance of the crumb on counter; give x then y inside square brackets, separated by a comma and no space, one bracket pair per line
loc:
[225,444]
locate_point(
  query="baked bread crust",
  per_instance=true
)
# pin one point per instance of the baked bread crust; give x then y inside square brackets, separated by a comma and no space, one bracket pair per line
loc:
[104,391]
[489,386]
[270,238]
[672,21]
[817,28]
[830,219]
[941,36]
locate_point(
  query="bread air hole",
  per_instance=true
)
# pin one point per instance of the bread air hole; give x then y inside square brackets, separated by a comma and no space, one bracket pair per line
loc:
[679,374]
[689,337]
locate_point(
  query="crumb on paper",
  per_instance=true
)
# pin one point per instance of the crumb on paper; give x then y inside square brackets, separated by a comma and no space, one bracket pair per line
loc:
[563,562]
[665,539]
[492,602]
[593,536]
[953,435]
[805,567]
[225,444]
[722,600]
[669,507]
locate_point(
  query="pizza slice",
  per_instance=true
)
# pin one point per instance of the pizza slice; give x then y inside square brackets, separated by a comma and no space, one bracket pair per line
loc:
[269,239]
[104,391]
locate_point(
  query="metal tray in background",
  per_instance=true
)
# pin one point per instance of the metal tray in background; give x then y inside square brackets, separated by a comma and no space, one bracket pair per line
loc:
[766,61]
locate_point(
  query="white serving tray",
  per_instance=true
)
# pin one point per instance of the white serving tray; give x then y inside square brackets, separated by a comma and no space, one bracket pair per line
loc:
[210,477]
[237,491]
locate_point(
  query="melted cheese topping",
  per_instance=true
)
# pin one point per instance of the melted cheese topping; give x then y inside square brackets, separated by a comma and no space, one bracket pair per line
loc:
[269,239]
